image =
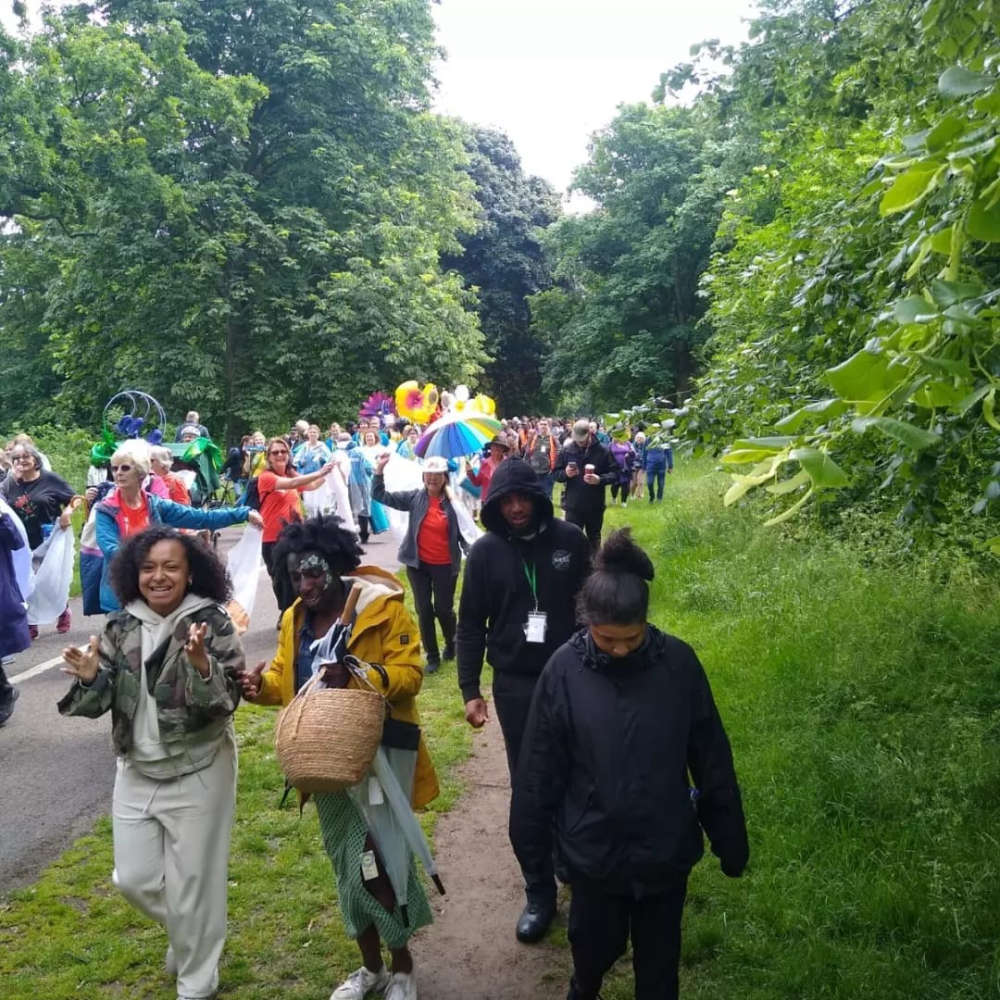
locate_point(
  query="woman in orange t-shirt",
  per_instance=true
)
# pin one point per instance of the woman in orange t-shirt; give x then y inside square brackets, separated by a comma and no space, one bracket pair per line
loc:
[431,551]
[160,463]
[279,505]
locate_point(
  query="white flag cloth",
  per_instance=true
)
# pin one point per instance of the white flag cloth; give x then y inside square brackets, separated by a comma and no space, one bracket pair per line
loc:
[53,577]
[244,564]
[336,485]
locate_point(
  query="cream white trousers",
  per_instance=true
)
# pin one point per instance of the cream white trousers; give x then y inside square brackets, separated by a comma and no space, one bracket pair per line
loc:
[172,856]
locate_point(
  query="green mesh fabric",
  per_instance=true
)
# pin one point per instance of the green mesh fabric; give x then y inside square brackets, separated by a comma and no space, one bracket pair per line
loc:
[344,833]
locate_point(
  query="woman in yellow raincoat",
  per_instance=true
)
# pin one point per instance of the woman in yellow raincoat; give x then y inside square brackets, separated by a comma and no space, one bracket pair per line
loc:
[322,560]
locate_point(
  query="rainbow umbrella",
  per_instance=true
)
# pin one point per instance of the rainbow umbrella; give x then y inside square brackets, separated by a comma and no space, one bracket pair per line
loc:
[457,434]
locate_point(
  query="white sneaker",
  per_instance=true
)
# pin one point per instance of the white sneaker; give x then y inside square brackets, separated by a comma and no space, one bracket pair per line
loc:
[360,983]
[402,986]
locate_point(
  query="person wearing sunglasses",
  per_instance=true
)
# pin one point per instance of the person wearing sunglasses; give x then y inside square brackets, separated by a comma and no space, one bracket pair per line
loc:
[278,489]
[130,508]
[38,498]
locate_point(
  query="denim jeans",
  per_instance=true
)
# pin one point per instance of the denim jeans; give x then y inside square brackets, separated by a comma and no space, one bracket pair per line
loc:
[656,475]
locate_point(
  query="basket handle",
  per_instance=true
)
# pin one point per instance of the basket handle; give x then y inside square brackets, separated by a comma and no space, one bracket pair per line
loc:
[347,615]
[358,669]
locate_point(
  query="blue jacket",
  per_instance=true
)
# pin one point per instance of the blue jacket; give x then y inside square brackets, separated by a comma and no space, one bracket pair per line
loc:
[160,511]
[659,458]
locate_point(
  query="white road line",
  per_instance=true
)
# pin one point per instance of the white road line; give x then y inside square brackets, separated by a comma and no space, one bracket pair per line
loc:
[34,671]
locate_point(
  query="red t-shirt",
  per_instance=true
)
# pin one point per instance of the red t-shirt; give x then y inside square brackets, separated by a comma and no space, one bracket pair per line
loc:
[432,538]
[483,478]
[277,507]
[176,489]
[132,520]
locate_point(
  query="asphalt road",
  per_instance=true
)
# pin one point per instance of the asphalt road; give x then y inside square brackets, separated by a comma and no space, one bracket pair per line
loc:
[56,774]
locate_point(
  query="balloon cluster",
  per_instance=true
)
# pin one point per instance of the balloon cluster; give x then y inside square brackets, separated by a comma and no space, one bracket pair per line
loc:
[423,405]
[463,401]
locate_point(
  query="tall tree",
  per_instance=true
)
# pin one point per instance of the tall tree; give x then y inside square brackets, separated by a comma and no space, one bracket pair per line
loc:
[297,262]
[624,318]
[853,292]
[505,263]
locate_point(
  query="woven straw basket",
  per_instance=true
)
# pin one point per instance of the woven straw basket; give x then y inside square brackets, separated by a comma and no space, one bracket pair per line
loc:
[326,739]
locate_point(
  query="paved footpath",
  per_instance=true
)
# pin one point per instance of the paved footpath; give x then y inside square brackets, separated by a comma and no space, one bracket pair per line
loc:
[56,774]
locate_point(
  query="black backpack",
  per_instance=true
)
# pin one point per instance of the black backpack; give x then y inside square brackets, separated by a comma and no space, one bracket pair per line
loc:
[251,498]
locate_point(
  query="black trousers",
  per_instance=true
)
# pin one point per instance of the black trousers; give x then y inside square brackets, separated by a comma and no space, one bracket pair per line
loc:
[434,597]
[364,524]
[512,699]
[591,522]
[621,489]
[600,926]
[283,592]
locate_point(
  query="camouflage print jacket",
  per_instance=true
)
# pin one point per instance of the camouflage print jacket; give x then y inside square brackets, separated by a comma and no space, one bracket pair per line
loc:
[186,702]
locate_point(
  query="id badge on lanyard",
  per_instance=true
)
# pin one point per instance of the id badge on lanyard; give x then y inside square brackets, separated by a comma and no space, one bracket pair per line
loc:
[534,629]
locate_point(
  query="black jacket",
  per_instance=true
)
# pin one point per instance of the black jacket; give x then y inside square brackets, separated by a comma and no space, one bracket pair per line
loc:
[579,497]
[605,765]
[417,502]
[496,595]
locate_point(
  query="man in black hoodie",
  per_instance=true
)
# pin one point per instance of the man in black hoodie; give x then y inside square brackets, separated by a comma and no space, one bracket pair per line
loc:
[586,467]
[518,606]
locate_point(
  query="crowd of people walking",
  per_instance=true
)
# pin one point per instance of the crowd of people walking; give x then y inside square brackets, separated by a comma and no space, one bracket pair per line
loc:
[616,754]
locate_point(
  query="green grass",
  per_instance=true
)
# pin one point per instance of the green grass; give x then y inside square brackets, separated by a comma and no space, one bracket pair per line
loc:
[862,706]
[861,700]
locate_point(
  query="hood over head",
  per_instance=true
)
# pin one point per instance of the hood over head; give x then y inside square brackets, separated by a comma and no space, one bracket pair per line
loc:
[514,476]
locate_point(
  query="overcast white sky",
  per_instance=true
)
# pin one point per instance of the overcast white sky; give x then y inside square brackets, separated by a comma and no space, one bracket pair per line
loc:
[549,73]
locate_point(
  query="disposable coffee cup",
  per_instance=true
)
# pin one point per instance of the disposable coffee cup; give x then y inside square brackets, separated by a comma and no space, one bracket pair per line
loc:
[588,470]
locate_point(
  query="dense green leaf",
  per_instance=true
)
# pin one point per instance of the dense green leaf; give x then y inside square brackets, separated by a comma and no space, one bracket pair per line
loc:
[947,293]
[905,433]
[956,81]
[989,409]
[865,377]
[821,469]
[984,222]
[914,309]
[910,188]
[950,127]
[827,408]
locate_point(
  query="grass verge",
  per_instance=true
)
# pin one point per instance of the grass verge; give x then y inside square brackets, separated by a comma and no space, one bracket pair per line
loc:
[861,701]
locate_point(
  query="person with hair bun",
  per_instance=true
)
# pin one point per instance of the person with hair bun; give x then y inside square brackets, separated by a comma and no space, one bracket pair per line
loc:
[624,762]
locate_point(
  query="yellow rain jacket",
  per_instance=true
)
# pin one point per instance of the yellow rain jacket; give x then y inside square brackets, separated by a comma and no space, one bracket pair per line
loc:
[383,633]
